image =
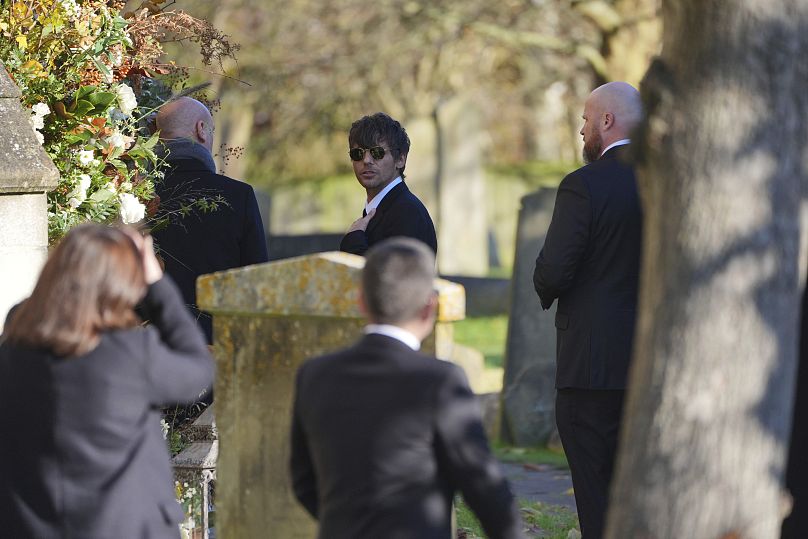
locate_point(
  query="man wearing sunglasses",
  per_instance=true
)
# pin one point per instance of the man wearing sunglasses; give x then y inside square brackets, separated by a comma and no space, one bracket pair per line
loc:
[378,149]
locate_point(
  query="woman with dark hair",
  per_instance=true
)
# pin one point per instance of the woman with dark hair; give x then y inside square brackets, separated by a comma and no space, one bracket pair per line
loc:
[82,383]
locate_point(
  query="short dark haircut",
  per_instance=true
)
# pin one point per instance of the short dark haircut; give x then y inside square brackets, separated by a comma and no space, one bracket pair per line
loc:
[369,131]
[398,279]
[90,284]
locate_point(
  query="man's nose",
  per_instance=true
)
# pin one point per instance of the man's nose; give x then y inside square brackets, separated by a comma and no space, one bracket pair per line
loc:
[366,157]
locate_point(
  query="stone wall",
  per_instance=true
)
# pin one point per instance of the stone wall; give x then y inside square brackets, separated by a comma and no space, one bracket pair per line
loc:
[26,174]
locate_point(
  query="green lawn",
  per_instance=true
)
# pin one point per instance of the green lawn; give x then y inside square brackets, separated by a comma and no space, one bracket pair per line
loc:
[486,334]
[531,455]
[541,520]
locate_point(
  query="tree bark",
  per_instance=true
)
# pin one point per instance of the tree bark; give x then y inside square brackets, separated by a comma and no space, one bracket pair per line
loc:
[721,162]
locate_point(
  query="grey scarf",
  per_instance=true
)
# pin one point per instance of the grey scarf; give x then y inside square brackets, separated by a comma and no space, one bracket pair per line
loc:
[185,148]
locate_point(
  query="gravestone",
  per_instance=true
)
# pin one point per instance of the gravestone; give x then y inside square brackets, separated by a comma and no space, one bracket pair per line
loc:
[528,393]
[267,320]
[26,175]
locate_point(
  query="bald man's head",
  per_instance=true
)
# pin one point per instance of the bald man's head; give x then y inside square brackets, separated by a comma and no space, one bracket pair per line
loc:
[611,112]
[185,117]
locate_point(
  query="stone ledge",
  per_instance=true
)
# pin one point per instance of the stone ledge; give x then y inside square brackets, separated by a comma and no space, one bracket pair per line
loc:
[322,284]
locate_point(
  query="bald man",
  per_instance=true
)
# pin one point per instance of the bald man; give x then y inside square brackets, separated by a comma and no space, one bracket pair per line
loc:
[590,263]
[202,241]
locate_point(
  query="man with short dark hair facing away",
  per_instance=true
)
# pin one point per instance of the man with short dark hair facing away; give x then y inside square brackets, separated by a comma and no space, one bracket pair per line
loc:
[382,435]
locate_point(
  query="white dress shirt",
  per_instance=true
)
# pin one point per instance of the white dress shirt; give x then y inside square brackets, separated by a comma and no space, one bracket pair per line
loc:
[620,142]
[394,332]
[375,201]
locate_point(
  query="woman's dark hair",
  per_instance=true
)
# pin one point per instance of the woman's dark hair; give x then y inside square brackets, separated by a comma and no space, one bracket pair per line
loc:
[373,130]
[90,283]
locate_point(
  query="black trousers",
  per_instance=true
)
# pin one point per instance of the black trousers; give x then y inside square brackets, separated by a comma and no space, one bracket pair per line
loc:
[589,425]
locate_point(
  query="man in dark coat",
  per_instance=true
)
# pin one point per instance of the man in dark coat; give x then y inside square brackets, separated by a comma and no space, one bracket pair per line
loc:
[205,240]
[590,262]
[382,435]
[378,149]
[795,525]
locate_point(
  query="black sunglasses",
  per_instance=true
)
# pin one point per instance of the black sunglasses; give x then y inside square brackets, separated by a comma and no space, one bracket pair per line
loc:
[357,154]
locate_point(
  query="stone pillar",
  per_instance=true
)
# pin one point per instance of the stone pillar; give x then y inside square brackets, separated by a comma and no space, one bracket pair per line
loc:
[26,174]
[528,394]
[267,320]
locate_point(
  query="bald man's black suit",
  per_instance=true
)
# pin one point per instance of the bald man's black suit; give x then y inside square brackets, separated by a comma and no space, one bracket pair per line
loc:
[590,263]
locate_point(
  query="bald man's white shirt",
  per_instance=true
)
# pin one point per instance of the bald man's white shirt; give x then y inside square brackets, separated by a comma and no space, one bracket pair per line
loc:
[621,142]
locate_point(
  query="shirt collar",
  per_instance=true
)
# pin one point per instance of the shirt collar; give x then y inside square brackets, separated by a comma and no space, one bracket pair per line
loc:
[394,332]
[621,142]
[375,201]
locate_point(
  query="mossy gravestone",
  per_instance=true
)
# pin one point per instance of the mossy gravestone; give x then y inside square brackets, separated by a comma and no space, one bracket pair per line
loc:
[528,393]
[26,174]
[267,320]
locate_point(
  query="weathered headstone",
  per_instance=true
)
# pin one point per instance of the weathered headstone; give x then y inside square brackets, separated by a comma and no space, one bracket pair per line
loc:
[26,174]
[528,394]
[267,320]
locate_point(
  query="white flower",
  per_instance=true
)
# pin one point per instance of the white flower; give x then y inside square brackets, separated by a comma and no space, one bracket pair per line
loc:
[41,110]
[74,203]
[119,140]
[72,9]
[126,99]
[86,157]
[132,210]
[109,186]
[37,122]
[79,192]
[126,186]
[39,137]
[164,426]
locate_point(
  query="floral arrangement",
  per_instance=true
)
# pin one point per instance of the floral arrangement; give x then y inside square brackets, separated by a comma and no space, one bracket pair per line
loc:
[90,74]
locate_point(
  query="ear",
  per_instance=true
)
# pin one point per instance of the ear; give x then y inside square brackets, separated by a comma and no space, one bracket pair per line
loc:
[607,121]
[401,161]
[363,306]
[430,310]
[201,132]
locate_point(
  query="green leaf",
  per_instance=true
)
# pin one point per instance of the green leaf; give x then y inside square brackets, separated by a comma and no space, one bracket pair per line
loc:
[117,163]
[102,195]
[81,107]
[102,68]
[152,142]
[85,91]
[115,152]
[101,99]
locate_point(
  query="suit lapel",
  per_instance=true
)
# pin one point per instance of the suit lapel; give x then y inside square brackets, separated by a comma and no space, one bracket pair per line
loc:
[384,205]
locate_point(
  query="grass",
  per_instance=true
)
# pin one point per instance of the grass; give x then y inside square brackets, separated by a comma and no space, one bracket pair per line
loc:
[486,334]
[540,519]
[531,455]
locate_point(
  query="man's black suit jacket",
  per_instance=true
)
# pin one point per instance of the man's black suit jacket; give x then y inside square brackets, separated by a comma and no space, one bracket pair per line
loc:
[82,454]
[400,213]
[590,262]
[382,437]
[204,242]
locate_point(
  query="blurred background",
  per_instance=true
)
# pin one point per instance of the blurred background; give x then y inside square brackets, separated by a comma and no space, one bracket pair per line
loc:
[490,93]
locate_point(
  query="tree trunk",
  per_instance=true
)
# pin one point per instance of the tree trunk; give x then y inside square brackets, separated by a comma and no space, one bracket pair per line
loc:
[722,159]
